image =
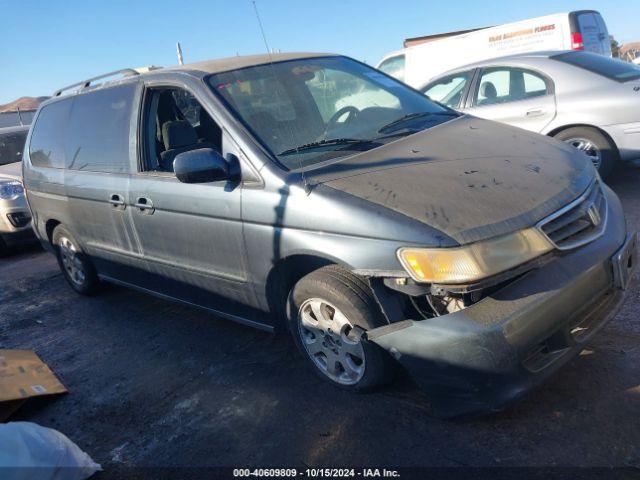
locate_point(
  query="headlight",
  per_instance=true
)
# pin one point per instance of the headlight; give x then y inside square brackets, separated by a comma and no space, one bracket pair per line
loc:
[475,261]
[10,190]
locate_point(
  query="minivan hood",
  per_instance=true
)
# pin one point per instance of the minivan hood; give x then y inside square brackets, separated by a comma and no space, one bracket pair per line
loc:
[472,179]
[11,170]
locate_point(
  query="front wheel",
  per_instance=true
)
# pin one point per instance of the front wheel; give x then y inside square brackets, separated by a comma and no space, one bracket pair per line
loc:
[76,267]
[594,144]
[328,310]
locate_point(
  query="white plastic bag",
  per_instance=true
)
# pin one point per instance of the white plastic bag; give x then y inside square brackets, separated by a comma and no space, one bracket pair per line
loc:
[29,451]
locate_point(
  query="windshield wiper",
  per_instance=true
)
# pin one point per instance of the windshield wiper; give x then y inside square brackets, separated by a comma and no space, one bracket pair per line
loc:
[412,116]
[325,143]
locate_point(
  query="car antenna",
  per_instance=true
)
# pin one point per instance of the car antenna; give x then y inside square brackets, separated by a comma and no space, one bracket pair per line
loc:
[20,117]
[307,188]
[179,52]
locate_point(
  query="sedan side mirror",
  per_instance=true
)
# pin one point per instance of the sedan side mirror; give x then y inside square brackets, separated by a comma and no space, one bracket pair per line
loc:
[201,166]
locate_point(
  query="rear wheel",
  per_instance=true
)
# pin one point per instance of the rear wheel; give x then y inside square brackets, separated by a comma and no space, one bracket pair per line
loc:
[594,144]
[75,265]
[328,310]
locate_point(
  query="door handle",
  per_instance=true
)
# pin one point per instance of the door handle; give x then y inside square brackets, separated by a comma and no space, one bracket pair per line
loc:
[117,202]
[145,205]
[535,112]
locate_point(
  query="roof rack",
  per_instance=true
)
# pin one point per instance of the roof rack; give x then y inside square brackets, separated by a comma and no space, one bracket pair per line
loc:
[126,72]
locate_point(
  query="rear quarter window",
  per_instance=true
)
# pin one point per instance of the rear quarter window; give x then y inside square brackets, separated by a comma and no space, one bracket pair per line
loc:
[611,68]
[97,136]
[47,139]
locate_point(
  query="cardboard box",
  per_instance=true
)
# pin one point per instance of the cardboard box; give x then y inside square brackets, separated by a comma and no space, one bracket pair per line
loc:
[22,376]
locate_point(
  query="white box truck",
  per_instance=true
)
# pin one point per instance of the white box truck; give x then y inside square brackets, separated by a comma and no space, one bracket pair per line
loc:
[426,57]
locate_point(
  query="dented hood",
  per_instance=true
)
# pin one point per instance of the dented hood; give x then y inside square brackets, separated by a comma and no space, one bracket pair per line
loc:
[470,178]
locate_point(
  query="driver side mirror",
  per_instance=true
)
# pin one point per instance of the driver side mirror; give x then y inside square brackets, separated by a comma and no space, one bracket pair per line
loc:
[201,166]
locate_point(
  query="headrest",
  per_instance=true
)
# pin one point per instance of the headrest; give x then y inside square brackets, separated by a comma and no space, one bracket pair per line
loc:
[488,90]
[177,134]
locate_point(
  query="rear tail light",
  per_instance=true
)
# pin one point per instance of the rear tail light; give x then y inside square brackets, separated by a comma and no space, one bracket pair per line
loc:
[576,41]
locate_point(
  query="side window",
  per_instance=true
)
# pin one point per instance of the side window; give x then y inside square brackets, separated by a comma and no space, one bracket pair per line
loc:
[448,90]
[98,130]
[393,66]
[188,106]
[494,87]
[175,122]
[46,148]
[534,85]
[11,146]
[503,84]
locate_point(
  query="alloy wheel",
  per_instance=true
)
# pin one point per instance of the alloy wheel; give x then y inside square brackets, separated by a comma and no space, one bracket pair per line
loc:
[588,148]
[70,261]
[330,341]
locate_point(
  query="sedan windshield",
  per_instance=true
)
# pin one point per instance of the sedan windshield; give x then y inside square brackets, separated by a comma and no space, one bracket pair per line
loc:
[311,110]
[11,146]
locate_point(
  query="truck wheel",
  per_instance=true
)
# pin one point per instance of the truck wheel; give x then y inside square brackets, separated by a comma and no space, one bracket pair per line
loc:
[600,150]
[327,311]
[75,265]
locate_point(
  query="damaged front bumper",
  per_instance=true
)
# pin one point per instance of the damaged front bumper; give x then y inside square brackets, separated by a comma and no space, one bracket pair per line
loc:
[481,358]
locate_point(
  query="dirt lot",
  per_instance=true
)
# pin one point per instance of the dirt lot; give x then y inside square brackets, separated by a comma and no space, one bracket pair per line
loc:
[156,384]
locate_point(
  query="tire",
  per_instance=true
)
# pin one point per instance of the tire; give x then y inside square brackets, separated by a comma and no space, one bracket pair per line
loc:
[4,250]
[602,151]
[74,263]
[322,310]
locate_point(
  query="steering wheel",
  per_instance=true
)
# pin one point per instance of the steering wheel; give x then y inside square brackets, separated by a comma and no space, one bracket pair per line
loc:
[333,121]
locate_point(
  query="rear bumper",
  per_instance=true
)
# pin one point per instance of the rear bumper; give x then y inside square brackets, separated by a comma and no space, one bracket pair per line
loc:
[479,359]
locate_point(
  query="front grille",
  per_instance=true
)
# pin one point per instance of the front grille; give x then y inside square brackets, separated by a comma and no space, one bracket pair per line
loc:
[580,222]
[19,219]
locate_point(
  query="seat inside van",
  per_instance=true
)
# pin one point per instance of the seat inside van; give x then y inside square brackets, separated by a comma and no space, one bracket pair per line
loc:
[177,123]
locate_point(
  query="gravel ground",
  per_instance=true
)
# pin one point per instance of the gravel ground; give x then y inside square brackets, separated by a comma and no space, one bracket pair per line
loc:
[157,384]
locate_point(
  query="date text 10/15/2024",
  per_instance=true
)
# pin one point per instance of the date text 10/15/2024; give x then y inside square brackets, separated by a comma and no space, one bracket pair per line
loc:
[316,473]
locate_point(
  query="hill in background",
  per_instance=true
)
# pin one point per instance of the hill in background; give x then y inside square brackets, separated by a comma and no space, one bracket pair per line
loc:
[23,103]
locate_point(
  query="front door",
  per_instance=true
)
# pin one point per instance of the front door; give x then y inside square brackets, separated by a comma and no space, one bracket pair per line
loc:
[190,234]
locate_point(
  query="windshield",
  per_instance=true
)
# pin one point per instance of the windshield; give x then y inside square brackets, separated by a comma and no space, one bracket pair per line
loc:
[311,110]
[11,146]
[609,67]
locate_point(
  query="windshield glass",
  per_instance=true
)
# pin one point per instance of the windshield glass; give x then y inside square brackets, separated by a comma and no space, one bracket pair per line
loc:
[11,146]
[609,67]
[310,110]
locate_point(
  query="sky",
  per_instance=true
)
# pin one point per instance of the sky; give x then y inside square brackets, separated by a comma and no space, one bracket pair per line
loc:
[48,44]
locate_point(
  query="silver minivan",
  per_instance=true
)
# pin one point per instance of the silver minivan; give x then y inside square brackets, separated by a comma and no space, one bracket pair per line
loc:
[391,230]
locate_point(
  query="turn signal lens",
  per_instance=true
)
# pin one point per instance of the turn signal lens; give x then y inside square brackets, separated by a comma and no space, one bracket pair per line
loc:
[476,261]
